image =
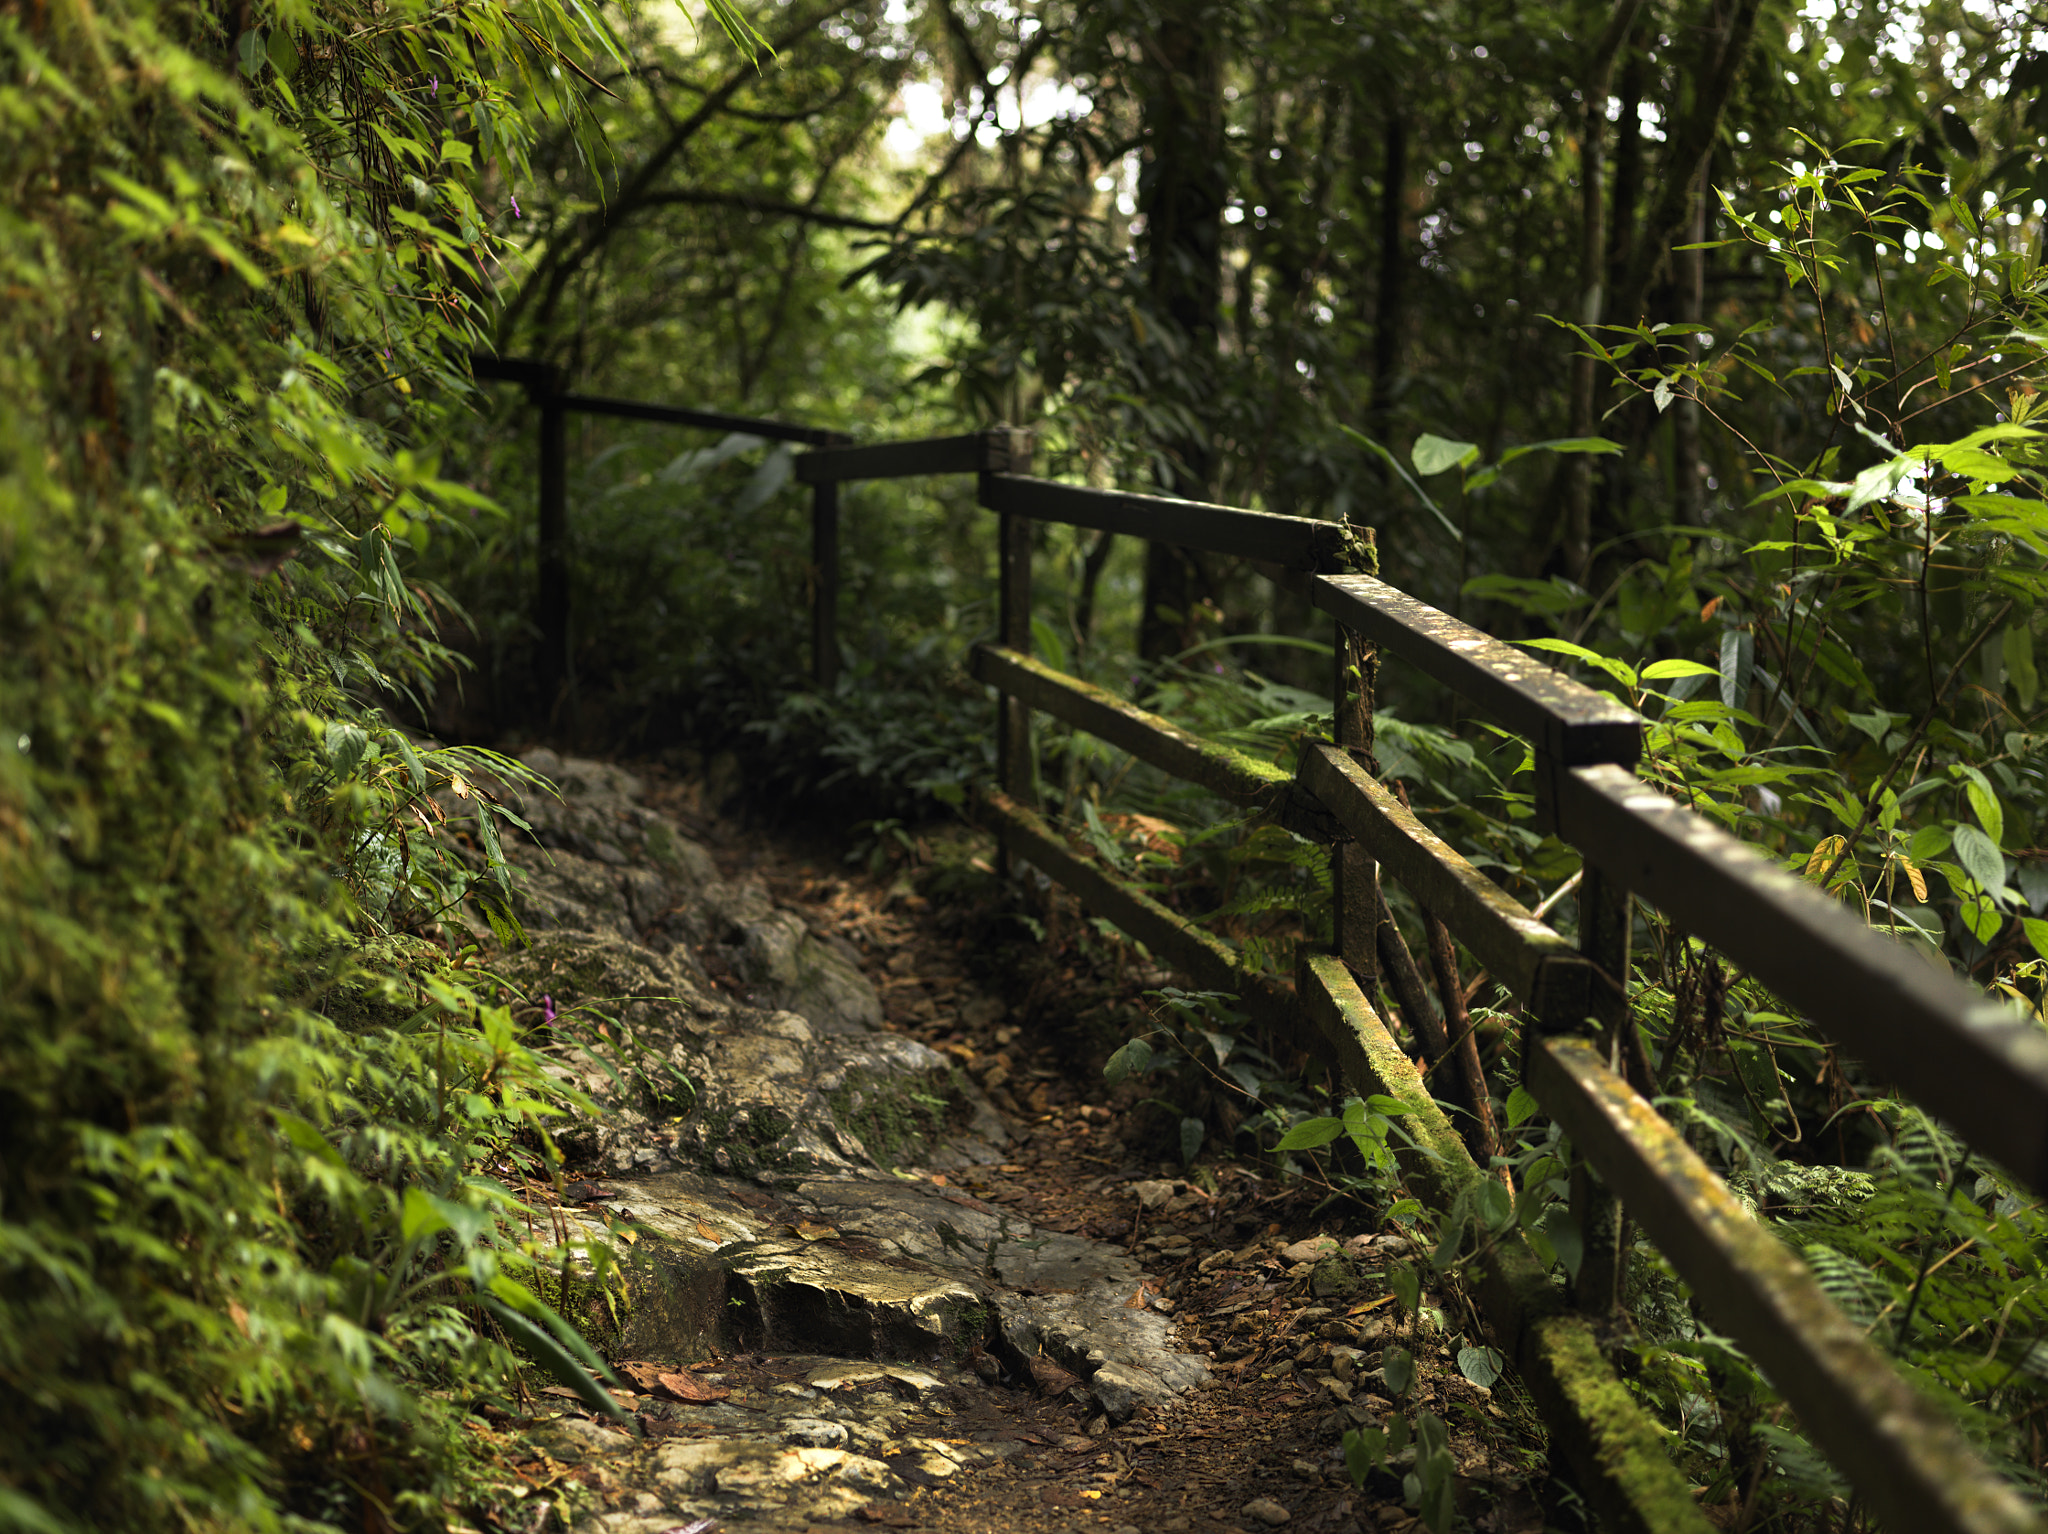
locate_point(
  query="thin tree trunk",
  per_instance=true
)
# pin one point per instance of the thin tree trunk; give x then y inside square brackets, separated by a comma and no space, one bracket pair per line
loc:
[1388,315]
[1182,190]
[1688,506]
[1577,537]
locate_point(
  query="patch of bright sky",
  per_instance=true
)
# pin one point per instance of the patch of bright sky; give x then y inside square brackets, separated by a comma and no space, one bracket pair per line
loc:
[1029,103]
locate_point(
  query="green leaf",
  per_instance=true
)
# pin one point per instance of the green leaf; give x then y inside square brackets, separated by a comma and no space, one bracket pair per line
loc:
[345,745]
[1738,665]
[2037,934]
[1496,1204]
[1399,1365]
[1364,1449]
[1521,1104]
[1983,803]
[1929,842]
[1133,1059]
[1433,455]
[1561,445]
[1481,1366]
[1980,858]
[1407,1287]
[557,1360]
[1664,670]
[1192,1133]
[1310,1134]
[1621,671]
[1565,1240]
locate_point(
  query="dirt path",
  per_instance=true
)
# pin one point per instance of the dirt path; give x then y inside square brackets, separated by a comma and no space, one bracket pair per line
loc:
[1231,1257]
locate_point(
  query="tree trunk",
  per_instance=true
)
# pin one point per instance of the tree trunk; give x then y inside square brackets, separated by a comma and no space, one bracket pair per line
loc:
[1181,192]
[1577,529]
[1688,505]
[1388,315]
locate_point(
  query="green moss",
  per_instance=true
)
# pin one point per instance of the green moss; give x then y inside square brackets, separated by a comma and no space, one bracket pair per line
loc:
[897,1118]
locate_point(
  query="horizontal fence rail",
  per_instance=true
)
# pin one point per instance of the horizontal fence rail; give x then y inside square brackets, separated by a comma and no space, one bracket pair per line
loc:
[1298,543]
[1568,720]
[1943,1042]
[1897,1446]
[1948,1046]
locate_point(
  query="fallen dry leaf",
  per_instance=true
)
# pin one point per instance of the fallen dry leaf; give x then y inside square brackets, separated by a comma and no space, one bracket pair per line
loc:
[1050,1377]
[689,1387]
[707,1232]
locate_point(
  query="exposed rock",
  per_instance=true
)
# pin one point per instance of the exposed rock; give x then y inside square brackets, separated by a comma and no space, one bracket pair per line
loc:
[1308,1251]
[1335,1278]
[1265,1510]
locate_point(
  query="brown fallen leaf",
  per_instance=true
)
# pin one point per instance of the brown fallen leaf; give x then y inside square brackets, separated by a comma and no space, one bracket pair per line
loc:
[815,1230]
[642,1374]
[689,1387]
[707,1232]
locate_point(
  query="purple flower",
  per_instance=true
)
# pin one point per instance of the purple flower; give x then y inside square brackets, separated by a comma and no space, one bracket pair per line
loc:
[435,89]
[547,1008]
[515,206]
[1219,668]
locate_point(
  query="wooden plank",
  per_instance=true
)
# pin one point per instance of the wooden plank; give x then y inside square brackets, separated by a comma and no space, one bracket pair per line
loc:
[1900,1450]
[1615,1449]
[709,420]
[1524,954]
[998,450]
[1299,543]
[1953,1049]
[1201,956]
[1569,722]
[1238,777]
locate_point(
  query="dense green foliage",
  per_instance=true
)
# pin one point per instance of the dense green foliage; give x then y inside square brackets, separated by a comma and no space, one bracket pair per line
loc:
[258,1143]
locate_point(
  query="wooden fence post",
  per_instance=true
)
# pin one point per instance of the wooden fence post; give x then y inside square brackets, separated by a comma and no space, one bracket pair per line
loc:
[825,583]
[1604,923]
[1354,875]
[1015,770]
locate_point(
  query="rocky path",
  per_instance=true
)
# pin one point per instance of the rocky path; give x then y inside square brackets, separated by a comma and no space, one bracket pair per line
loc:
[888,1256]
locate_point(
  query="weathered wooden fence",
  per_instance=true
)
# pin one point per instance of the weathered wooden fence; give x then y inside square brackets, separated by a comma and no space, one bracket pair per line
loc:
[1960,1055]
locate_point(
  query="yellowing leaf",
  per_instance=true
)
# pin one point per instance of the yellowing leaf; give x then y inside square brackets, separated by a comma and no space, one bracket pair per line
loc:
[1915,878]
[1818,860]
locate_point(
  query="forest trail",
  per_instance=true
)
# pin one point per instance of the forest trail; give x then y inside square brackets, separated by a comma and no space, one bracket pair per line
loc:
[894,1258]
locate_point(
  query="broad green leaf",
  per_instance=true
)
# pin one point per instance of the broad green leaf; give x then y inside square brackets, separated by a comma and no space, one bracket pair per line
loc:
[1481,1366]
[1664,670]
[1563,1232]
[1399,1365]
[1407,1287]
[1521,1104]
[1132,1059]
[2037,934]
[1192,1133]
[1621,671]
[1433,454]
[1983,802]
[1980,857]
[1310,1134]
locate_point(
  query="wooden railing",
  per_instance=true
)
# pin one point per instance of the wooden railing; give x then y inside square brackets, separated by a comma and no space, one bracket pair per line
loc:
[1962,1056]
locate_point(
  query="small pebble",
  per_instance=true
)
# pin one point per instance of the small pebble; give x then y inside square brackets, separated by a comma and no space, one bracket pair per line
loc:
[1266,1511]
[1127,1528]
